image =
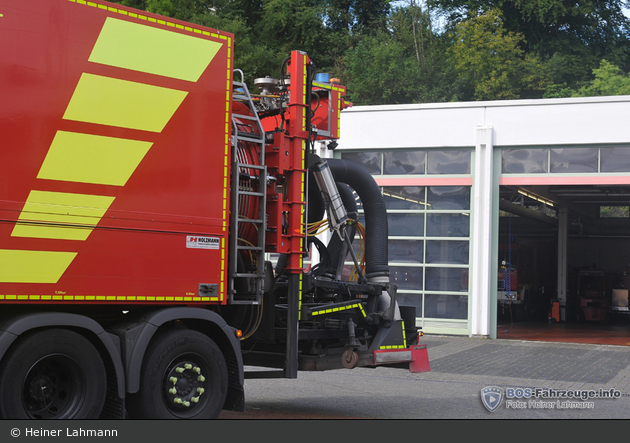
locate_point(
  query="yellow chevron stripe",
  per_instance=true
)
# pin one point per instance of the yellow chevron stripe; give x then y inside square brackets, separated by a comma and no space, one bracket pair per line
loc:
[113,102]
[152,50]
[62,209]
[18,266]
[87,158]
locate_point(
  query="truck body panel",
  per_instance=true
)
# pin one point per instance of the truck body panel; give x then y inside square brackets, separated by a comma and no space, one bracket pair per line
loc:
[117,132]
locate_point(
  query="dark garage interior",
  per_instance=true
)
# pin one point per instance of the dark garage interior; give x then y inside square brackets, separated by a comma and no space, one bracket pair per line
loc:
[597,273]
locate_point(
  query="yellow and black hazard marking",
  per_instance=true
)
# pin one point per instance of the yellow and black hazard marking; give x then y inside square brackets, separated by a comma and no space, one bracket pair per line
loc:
[335,308]
[395,338]
[330,86]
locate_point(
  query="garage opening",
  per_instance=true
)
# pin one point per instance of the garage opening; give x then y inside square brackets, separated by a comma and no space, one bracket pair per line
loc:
[564,258]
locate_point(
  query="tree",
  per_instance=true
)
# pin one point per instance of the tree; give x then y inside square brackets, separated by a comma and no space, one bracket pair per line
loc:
[289,25]
[357,16]
[251,56]
[569,35]
[609,80]
[490,61]
[179,9]
[401,64]
[379,72]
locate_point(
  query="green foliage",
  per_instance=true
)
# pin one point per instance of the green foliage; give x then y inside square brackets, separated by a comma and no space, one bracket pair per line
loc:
[138,4]
[403,63]
[614,211]
[378,71]
[294,24]
[609,80]
[356,16]
[398,52]
[491,62]
[252,57]
[577,32]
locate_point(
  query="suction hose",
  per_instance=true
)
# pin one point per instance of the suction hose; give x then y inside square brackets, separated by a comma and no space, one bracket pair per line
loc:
[376,249]
[355,176]
[335,246]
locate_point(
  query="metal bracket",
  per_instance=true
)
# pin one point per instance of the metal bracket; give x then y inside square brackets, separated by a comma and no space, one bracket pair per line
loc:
[390,313]
[208,290]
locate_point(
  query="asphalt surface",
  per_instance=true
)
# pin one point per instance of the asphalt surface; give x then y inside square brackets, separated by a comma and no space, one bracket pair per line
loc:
[535,379]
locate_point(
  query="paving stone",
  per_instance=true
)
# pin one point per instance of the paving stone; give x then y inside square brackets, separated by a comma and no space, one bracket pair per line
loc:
[528,363]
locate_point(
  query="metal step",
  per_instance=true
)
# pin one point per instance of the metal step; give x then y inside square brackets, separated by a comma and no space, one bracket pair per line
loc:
[245,117]
[249,248]
[251,193]
[249,220]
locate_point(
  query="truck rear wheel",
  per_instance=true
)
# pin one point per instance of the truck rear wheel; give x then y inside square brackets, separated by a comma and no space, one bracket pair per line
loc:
[52,374]
[184,376]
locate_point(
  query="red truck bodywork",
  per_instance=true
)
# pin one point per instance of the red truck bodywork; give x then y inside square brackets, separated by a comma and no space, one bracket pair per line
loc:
[109,188]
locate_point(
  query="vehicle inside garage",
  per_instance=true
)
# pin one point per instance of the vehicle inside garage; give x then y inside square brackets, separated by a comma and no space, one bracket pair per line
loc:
[564,258]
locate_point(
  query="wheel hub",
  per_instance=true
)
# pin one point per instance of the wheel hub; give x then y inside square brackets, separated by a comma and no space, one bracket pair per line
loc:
[51,388]
[184,385]
[41,388]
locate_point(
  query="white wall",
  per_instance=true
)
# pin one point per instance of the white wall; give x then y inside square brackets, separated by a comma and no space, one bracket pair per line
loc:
[515,122]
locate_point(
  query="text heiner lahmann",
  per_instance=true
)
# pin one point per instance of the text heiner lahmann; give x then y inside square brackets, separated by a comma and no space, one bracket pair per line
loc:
[32,432]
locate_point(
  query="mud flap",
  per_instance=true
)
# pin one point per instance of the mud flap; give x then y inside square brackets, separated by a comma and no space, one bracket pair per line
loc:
[416,355]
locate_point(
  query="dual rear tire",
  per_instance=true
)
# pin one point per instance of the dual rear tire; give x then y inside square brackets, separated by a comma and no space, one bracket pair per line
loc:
[184,376]
[59,374]
[52,374]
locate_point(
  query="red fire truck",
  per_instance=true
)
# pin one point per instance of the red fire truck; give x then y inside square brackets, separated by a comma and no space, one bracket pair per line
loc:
[142,192]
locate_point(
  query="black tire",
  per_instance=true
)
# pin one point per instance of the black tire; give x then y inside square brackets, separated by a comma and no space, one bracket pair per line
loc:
[52,374]
[176,366]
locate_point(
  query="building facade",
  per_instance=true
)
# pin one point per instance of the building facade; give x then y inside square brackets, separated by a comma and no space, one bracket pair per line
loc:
[443,168]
